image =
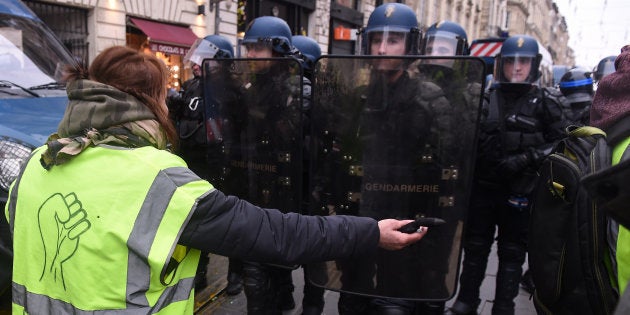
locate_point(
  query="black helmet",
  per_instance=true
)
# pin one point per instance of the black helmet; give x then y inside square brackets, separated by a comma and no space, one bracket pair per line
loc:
[309,50]
[517,51]
[449,33]
[605,67]
[270,31]
[577,85]
[209,47]
[394,18]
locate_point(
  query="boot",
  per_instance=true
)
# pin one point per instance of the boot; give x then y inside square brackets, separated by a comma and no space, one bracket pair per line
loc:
[313,300]
[257,285]
[235,284]
[312,310]
[284,284]
[391,310]
[460,308]
[527,283]
[286,300]
[201,282]
[235,277]
[430,308]
[352,304]
[507,285]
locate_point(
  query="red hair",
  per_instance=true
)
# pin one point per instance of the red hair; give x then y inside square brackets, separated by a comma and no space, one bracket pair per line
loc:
[136,73]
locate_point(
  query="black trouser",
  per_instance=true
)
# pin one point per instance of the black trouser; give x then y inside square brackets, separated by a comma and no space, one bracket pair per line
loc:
[263,286]
[313,295]
[489,209]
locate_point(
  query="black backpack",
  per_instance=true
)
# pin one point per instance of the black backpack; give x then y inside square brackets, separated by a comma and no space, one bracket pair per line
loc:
[568,253]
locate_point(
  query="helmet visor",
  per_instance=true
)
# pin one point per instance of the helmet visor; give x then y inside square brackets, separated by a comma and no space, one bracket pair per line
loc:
[442,44]
[200,50]
[257,49]
[516,69]
[387,42]
[607,68]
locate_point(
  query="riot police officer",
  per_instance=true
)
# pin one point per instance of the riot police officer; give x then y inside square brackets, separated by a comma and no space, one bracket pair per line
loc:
[604,67]
[197,115]
[398,114]
[447,39]
[308,51]
[271,142]
[577,87]
[443,39]
[519,126]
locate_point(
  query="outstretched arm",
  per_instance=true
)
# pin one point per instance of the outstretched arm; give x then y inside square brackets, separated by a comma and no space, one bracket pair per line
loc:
[232,227]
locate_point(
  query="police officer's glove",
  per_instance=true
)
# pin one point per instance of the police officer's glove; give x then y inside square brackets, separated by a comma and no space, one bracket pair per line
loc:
[513,164]
[536,156]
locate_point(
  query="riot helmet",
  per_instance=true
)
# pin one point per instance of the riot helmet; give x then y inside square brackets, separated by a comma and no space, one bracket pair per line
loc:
[605,67]
[309,50]
[577,86]
[445,38]
[209,47]
[268,32]
[518,61]
[391,26]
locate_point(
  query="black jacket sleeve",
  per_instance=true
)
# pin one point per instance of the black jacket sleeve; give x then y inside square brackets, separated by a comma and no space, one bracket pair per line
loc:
[232,227]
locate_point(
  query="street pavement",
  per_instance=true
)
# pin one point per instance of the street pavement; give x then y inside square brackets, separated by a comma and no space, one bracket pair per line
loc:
[216,302]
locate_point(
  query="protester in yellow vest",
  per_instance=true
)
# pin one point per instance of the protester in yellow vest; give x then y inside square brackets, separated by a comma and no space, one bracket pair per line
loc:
[610,112]
[105,218]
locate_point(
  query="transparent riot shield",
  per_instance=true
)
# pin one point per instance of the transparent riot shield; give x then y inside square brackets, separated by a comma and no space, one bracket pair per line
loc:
[254,108]
[395,138]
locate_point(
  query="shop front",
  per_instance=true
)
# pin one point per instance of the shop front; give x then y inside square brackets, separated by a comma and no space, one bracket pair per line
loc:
[294,12]
[168,42]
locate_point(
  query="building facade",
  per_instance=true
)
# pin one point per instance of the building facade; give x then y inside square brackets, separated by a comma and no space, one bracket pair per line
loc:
[167,28]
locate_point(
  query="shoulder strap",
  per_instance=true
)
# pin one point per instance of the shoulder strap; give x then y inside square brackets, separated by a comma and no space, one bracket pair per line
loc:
[493,106]
[586,131]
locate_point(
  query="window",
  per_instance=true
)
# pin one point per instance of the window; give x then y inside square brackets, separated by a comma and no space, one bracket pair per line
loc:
[68,23]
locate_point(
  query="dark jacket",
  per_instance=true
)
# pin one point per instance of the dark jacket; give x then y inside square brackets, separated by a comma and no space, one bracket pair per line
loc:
[518,128]
[232,227]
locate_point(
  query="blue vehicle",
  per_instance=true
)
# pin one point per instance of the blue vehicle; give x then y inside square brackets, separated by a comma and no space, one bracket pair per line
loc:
[32,102]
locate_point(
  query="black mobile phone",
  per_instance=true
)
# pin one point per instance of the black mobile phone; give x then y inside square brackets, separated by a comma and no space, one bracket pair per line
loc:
[412,227]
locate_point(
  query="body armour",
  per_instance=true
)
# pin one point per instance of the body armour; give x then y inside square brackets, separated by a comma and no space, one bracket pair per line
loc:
[514,123]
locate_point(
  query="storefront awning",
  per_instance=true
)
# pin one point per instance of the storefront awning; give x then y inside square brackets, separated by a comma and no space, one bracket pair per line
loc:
[166,38]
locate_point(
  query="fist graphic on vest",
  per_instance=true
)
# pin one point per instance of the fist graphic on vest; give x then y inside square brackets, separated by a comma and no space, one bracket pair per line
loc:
[62,220]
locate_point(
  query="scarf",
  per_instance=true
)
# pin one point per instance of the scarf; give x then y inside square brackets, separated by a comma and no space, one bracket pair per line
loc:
[611,102]
[101,114]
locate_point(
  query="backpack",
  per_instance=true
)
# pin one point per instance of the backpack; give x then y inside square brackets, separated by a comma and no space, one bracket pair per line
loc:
[568,253]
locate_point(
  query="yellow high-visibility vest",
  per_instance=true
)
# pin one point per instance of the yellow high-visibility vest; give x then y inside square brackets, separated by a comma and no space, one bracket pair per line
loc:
[99,233]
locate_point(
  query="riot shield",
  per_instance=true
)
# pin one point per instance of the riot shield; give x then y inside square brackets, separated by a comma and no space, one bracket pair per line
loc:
[396,138]
[254,108]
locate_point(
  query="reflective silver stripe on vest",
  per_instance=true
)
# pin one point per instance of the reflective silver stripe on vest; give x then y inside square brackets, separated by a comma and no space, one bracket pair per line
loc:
[41,304]
[13,196]
[145,228]
[138,272]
